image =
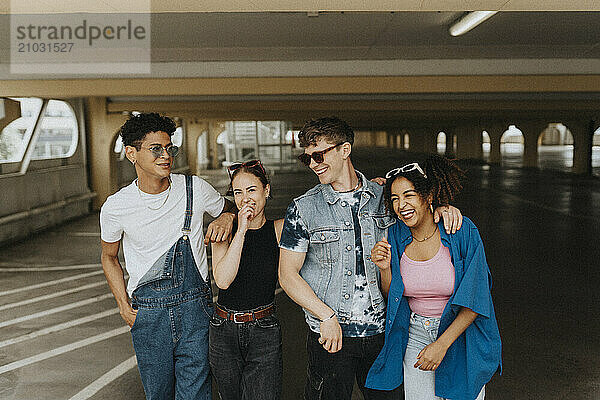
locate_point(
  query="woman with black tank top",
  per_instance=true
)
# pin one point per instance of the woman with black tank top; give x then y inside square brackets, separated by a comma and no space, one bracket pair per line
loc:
[245,336]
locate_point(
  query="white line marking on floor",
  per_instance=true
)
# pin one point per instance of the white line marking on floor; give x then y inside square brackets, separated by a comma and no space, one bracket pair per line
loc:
[106,379]
[62,349]
[59,327]
[50,283]
[10,267]
[52,295]
[56,310]
[117,372]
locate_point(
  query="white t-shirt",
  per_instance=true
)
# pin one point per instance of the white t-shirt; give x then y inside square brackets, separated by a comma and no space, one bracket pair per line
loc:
[147,234]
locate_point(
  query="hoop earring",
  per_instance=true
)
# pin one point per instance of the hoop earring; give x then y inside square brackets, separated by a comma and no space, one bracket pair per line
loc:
[431,207]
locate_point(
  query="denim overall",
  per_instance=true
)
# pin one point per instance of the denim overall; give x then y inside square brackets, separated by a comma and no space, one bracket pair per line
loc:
[170,333]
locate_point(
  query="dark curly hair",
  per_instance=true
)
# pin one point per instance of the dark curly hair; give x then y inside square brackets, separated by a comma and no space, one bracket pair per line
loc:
[135,129]
[332,129]
[443,182]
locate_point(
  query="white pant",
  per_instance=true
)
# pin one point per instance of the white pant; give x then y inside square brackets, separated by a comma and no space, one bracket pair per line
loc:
[418,384]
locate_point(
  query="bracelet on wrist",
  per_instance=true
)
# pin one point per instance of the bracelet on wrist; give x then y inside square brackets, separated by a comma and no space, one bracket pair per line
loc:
[328,318]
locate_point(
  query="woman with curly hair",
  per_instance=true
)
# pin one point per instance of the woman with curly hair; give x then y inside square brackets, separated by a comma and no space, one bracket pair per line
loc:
[441,336]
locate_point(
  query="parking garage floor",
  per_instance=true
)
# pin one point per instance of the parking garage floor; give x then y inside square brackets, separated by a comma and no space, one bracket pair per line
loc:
[61,336]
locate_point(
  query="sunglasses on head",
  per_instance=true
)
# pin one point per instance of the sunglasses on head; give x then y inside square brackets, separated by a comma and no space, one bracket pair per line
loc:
[157,150]
[318,156]
[406,168]
[248,164]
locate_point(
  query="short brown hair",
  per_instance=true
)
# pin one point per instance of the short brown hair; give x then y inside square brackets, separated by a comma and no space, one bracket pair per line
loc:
[332,129]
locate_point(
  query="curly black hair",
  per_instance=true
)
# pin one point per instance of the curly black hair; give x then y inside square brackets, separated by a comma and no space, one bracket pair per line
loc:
[442,182]
[135,129]
[333,129]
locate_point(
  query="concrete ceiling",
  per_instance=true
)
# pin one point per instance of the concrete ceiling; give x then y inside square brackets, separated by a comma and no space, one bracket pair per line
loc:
[161,6]
[266,44]
[186,37]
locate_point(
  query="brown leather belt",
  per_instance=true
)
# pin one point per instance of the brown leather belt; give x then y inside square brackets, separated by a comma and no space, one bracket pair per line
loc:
[241,317]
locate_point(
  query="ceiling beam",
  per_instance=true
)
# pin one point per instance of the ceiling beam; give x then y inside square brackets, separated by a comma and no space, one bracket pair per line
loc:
[65,88]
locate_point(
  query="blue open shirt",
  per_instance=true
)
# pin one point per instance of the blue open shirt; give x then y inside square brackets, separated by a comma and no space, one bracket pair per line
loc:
[475,355]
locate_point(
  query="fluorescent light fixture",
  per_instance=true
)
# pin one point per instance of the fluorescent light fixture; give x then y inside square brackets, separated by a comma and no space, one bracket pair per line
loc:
[469,21]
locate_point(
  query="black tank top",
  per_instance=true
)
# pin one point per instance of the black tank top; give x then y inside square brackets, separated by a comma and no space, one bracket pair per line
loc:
[254,284]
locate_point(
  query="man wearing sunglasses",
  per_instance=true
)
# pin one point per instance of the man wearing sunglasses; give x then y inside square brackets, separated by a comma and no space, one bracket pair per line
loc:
[325,265]
[166,302]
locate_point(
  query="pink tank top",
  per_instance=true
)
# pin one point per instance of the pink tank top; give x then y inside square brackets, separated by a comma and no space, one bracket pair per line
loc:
[428,284]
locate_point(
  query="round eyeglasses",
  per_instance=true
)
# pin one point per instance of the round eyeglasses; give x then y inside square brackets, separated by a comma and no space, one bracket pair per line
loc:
[157,150]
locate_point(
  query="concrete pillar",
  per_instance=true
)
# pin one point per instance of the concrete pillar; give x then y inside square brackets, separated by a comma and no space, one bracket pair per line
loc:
[583,133]
[469,142]
[194,129]
[380,138]
[450,139]
[531,132]
[215,128]
[430,141]
[99,139]
[495,131]
[416,142]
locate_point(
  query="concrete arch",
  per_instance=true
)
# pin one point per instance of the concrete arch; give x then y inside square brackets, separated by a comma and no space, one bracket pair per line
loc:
[485,145]
[121,171]
[555,147]
[596,152]
[441,143]
[512,146]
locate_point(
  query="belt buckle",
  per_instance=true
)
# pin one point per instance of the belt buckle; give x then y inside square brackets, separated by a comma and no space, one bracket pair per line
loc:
[235,315]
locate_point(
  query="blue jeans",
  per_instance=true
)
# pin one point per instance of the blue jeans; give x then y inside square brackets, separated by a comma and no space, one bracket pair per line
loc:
[418,384]
[331,375]
[170,333]
[246,358]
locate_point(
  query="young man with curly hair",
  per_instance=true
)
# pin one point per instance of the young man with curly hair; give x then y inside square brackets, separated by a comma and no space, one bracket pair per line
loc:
[167,300]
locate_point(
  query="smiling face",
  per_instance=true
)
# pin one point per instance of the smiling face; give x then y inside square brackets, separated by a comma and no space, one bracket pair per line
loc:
[147,165]
[409,206]
[248,189]
[330,170]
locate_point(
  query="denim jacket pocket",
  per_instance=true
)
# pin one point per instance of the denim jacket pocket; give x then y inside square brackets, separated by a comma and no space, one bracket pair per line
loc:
[383,221]
[326,243]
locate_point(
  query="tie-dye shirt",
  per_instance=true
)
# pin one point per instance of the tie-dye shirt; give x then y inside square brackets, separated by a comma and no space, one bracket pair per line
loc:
[364,320]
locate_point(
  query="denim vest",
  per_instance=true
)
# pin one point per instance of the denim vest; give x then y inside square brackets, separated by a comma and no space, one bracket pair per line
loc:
[330,263]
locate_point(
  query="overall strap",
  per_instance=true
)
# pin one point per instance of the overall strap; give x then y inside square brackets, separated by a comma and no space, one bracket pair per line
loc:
[189,191]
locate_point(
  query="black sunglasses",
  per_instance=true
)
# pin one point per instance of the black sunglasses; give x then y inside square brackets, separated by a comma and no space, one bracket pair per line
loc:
[317,155]
[248,164]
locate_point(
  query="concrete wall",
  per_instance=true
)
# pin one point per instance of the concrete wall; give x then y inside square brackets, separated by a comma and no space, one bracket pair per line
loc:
[49,193]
